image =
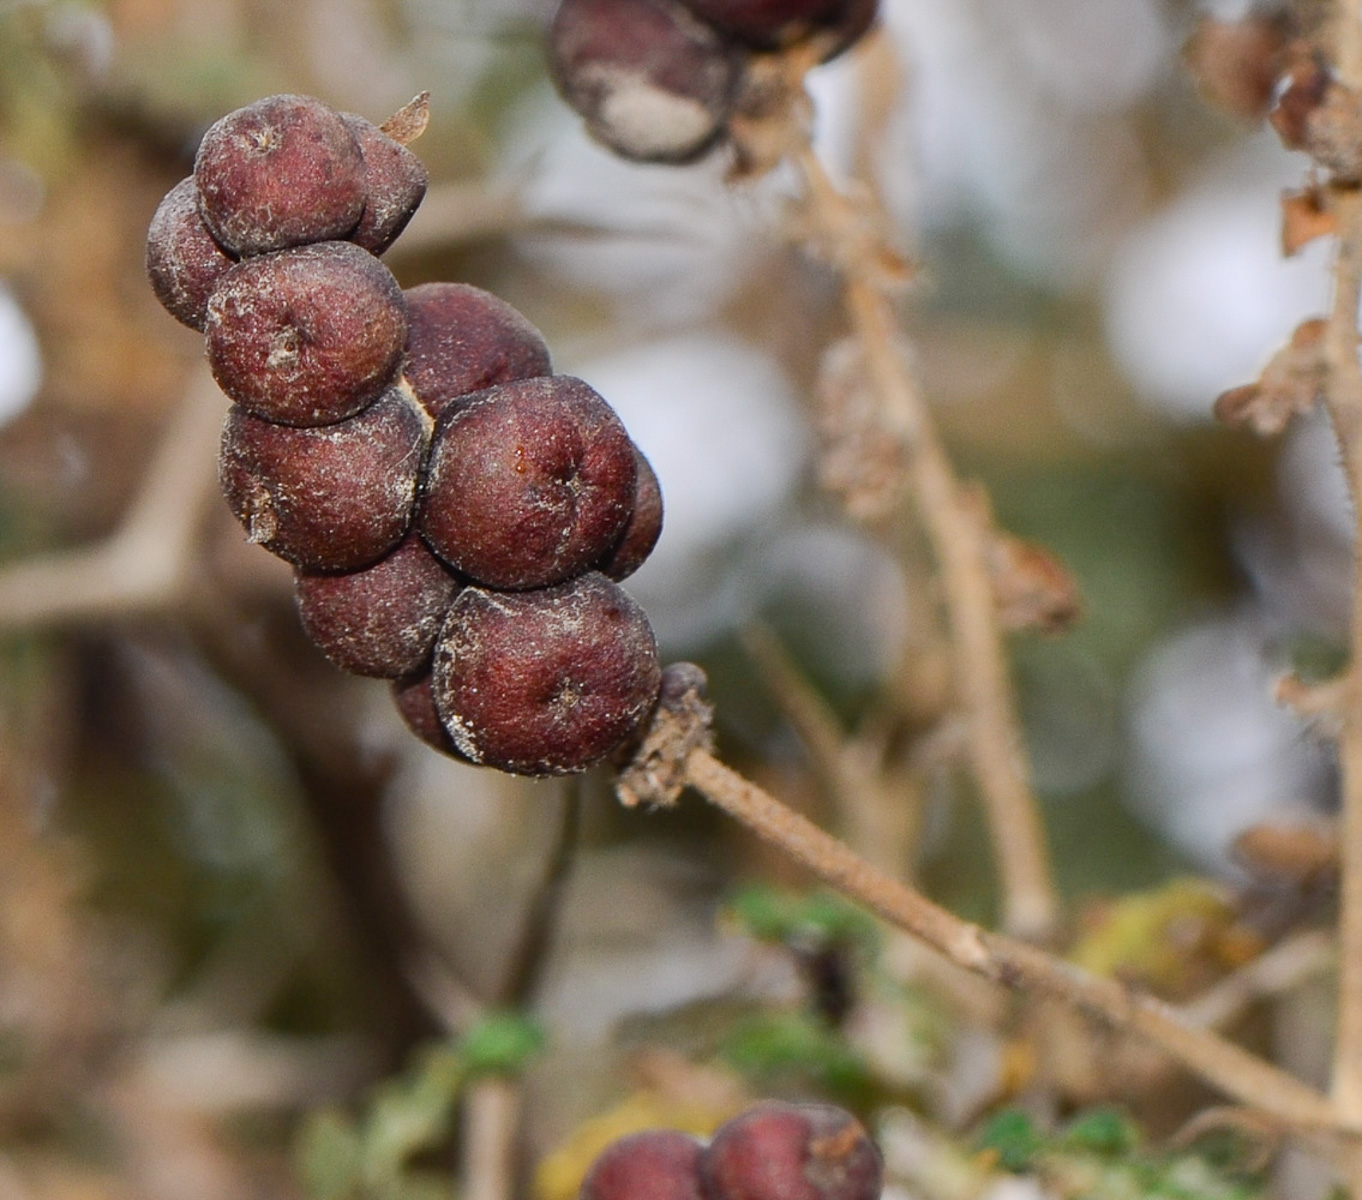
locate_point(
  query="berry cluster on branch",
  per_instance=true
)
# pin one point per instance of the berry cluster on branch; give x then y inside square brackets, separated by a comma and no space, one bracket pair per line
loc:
[663,80]
[457,515]
[773,1151]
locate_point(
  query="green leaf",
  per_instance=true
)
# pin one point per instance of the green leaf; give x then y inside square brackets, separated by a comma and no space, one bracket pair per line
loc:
[501,1044]
[1106,1131]
[1012,1135]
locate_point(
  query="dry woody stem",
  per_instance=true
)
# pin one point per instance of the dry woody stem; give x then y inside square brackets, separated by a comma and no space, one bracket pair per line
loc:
[1343,394]
[959,538]
[1251,1081]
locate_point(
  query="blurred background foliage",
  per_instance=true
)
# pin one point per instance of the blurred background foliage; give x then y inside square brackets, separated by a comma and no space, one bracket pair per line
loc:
[234,893]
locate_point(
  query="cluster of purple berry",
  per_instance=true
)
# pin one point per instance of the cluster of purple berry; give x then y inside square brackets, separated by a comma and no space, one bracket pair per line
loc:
[773,1151]
[661,80]
[458,516]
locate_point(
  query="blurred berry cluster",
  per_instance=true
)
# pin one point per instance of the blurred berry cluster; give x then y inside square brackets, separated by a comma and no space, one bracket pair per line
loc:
[661,80]
[773,1151]
[457,515]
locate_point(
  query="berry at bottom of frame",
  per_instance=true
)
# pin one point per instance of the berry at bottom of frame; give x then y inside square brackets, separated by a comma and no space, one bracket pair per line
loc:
[779,1151]
[652,82]
[654,1164]
[329,498]
[283,171]
[545,682]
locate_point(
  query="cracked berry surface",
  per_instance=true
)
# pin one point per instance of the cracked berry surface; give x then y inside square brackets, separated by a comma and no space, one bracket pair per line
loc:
[462,339]
[545,682]
[529,482]
[772,24]
[330,498]
[306,336]
[283,171]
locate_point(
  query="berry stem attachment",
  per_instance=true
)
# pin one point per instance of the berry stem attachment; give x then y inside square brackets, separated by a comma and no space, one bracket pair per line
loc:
[959,541]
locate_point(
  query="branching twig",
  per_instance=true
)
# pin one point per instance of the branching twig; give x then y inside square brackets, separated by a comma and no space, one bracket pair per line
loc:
[1343,393]
[960,542]
[1243,1076]
[143,564]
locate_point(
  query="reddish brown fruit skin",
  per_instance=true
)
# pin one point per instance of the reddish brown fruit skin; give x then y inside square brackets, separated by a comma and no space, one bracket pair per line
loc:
[461,339]
[656,1164]
[280,172]
[333,498]
[306,336]
[414,700]
[529,482]
[545,682]
[792,1152]
[774,24]
[653,83]
[644,528]
[395,182]
[381,620]
[184,263]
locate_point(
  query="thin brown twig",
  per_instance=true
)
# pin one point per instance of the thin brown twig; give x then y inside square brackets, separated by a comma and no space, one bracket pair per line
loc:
[959,539]
[1244,1077]
[1343,393]
[491,1129]
[144,564]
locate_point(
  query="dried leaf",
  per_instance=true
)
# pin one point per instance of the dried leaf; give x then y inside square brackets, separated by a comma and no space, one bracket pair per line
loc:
[1296,855]
[409,122]
[1305,217]
[1290,384]
[860,461]
[1236,64]
[1032,587]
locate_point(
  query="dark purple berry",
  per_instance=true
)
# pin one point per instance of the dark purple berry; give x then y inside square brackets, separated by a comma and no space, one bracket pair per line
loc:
[652,82]
[331,498]
[643,529]
[529,483]
[545,682]
[395,183]
[306,336]
[656,1164]
[414,700]
[792,1152]
[380,620]
[280,172]
[461,339]
[774,24]
[184,263]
